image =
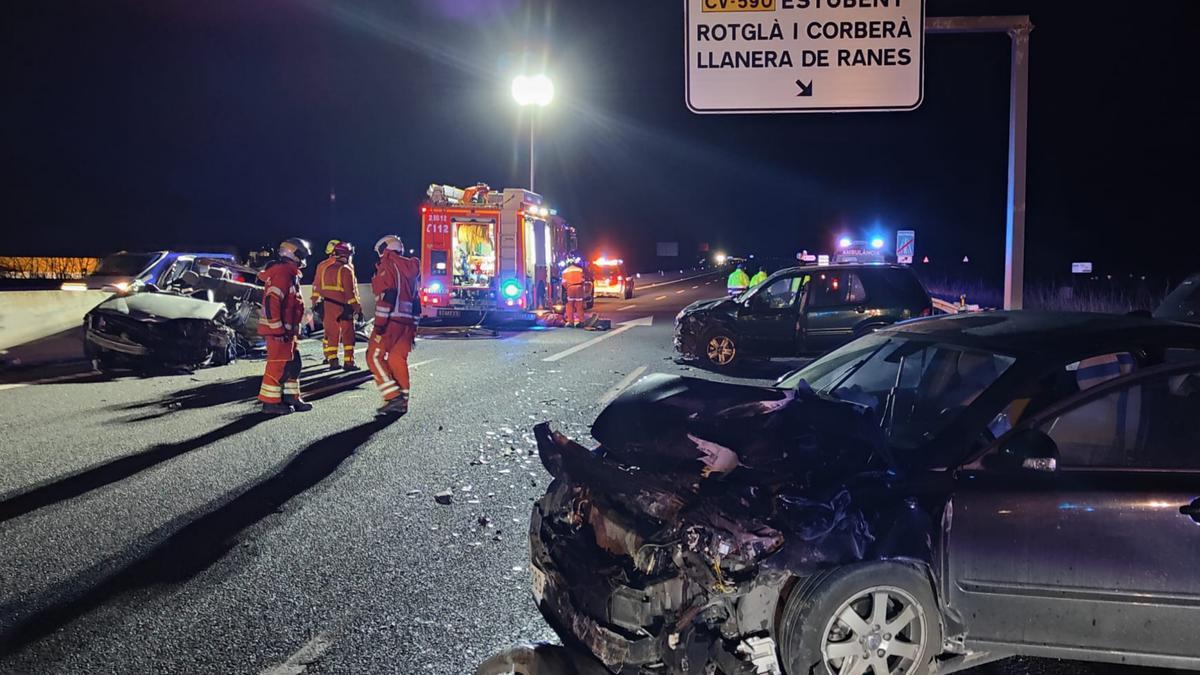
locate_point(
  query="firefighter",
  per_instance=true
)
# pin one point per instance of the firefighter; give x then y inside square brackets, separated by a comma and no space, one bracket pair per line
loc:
[397,306]
[738,281]
[282,312]
[573,283]
[335,288]
[759,277]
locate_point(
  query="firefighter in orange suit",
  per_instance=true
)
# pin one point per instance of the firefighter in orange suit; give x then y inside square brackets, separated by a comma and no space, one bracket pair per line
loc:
[397,306]
[573,281]
[335,288]
[282,312]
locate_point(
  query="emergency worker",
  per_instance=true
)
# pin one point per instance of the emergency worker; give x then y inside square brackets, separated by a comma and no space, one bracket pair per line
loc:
[282,312]
[738,281]
[335,289]
[397,306]
[759,277]
[573,283]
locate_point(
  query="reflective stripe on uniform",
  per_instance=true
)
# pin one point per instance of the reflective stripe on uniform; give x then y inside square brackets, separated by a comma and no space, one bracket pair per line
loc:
[263,321]
[276,290]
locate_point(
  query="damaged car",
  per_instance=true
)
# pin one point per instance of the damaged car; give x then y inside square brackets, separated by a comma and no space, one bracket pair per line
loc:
[938,494]
[205,312]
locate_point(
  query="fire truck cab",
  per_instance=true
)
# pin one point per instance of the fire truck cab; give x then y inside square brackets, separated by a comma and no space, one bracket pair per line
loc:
[490,252]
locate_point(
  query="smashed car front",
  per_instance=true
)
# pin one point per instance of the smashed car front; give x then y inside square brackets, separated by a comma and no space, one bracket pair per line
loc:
[654,557]
[693,322]
[161,326]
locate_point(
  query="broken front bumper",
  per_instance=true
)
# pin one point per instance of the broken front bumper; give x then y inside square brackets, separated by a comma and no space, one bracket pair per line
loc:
[622,650]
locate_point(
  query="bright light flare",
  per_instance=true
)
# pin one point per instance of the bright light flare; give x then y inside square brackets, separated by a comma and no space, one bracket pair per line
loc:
[533,90]
[877,243]
[720,258]
[844,242]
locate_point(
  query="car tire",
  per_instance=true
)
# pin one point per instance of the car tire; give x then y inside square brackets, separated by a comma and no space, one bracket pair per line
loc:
[721,349]
[817,625]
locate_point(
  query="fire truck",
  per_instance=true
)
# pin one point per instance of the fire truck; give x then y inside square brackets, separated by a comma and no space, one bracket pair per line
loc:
[486,252]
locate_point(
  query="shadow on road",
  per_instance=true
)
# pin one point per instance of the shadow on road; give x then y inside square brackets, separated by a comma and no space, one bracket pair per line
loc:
[72,486]
[196,545]
[221,392]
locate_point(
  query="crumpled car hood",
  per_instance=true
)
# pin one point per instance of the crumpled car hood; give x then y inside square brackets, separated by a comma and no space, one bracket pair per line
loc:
[696,426]
[720,304]
[150,306]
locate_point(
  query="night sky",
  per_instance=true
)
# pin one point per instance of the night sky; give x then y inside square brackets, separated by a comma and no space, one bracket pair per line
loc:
[228,122]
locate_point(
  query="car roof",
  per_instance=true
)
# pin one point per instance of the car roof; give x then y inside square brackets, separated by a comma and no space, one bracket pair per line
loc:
[1050,335]
[837,267]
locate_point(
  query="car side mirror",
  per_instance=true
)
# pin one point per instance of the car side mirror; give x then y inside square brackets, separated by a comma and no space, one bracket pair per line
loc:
[1025,450]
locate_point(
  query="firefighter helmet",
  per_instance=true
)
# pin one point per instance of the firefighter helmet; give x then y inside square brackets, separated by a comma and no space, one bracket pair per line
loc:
[331,245]
[343,249]
[295,249]
[389,242]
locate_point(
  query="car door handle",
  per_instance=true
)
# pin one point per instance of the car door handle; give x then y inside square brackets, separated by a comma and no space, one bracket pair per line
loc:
[1192,510]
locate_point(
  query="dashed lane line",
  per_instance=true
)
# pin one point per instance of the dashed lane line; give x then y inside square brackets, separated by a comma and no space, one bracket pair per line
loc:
[661,297]
[298,663]
[620,386]
[624,326]
[622,309]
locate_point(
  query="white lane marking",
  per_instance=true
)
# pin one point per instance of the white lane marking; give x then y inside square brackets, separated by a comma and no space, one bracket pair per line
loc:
[679,291]
[675,281]
[307,655]
[661,297]
[48,380]
[365,375]
[695,287]
[622,309]
[620,386]
[625,325]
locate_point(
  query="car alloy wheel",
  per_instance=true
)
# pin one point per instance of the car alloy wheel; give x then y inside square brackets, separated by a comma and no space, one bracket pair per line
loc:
[882,629]
[722,350]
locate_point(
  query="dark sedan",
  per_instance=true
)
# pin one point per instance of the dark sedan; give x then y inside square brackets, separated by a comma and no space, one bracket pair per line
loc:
[940,493]
[798,311]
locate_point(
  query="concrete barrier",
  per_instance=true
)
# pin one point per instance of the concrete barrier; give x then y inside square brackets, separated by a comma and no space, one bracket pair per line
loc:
[45,320]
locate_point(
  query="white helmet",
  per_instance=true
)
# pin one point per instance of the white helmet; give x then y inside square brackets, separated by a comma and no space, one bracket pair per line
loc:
[296,249]
[389,242]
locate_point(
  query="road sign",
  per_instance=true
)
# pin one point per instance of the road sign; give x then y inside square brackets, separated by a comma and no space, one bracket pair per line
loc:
[823,259]
[1081,268]
[906,246]
[776,56]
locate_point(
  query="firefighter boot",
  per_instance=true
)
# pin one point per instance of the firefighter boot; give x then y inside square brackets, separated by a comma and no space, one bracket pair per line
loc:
[298,405]
[351,366]
[276,409]
[395,407]
[333,363]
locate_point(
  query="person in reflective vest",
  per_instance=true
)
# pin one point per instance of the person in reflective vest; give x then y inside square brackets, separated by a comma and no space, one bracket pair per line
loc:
[573,284]
[759,277]
[397,306]
[335,288]
[738,281]
[282,312]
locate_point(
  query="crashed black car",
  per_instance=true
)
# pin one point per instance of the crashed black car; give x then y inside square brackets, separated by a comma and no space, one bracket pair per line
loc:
[1183,303]
[939,494]
[204,313]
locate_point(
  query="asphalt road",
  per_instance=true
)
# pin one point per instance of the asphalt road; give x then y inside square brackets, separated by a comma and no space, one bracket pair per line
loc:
[160,525]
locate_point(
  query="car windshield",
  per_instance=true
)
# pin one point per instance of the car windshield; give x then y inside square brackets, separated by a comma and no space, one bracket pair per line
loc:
[916,387]
[123,265]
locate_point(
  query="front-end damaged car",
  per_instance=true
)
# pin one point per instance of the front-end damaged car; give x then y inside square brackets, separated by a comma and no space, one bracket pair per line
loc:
[206,314]
[875,511]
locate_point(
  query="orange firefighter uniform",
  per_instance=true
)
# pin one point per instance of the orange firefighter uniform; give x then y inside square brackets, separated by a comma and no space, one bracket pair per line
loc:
[282,312]
[573,282]
[396,310]
[336,286]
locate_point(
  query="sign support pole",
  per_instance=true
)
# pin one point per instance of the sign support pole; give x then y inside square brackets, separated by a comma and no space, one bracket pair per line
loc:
[1018,29]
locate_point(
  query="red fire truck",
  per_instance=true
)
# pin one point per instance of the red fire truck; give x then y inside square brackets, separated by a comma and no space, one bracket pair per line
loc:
[490,252]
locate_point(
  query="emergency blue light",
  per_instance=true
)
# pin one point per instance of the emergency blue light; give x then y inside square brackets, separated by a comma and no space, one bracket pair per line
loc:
[435,287]
[877,242]
[844,242]
[510,288]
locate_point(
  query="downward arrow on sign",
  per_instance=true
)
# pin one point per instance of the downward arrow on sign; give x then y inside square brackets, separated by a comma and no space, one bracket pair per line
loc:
[805,89]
